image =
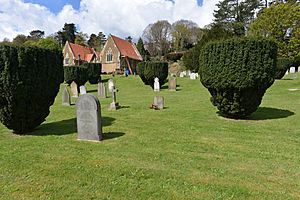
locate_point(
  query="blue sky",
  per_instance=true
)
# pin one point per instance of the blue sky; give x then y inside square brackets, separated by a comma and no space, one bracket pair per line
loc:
[57,5]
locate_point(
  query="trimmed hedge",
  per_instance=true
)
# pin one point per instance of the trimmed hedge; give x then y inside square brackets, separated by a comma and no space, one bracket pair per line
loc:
[283,64]
[29,82]
[81,74]
[149,70]
[237,73]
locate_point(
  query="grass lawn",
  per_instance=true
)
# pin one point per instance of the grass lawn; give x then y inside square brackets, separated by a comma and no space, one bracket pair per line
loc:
[185,151]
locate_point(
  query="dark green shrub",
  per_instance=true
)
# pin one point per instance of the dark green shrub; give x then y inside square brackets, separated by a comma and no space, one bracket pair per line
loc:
[283,64]
[237,73]
[78,74]
[29,82]
[149,70]
[173,56]
[94,72]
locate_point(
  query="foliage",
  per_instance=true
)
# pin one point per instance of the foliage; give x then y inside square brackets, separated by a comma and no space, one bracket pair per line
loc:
[19,39]
[213,33]
[68,33]
[174,56]
[150,69]
[235,15]
[29,82]
[141,48]
[283,64]
[237,73]
[94,72]
[81,38]
[97,41]
[280,22]
[36,35]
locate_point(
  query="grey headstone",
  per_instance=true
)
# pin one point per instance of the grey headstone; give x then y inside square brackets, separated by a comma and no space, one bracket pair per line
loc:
[82,90]
[292,70]
[111,85]
[114,105]
[74,89]
[172,83]
[89,126]
[159,102]
[66,99]
[101,90]
[156,85]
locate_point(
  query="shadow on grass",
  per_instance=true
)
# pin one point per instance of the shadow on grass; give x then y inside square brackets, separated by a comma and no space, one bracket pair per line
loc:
[263,113]
[112,135]
[64,127]
[92,91]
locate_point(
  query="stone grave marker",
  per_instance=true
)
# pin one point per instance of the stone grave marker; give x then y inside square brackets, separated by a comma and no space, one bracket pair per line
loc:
[188,72]
[66,98]
[158,102]
[74,90]
[89,125]
[298,69]
[193,76]
[82,90]
[111,85]
[172,83]
[114,105]
[156,85]
[101,90]
[181,74]
[287,72]
[292,70]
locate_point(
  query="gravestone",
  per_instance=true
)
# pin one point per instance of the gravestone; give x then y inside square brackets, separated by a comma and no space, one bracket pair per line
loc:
[82,90]
[114,105]
[181,74]
[66,99]
[188,72]
[172,83]
[184,73]
[298,69]
[74,89]
[89,126]
[193,76]
[111,85]
[101,90]
[158,102]
[156,85]
[292,70]
[287,72]
[197,75]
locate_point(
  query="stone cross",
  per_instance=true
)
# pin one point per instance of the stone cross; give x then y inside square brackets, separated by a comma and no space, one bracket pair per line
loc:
[111,85]
[158,102]
[114,105]
[74,89]
[156,85]
[66,99]
[101,90]
[89,125]
[82,90]
[292,70]
[172,83]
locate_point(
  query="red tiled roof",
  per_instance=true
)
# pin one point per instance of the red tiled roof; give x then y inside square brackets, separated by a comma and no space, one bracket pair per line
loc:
[85,53]
[127,49]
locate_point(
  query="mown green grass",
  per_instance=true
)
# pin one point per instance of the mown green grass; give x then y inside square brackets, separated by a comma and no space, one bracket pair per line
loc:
[185,151]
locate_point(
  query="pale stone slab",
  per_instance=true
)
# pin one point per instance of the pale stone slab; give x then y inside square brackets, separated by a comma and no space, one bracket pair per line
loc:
[292,70]
[172,83]
[156,85]
[111,85]
[181,74]
[82,90]
[89,125]
[74,89]
[101,90]
[158,102]
[193,76]
[66,98]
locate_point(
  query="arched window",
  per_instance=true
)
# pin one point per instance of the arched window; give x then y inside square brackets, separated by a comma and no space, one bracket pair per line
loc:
[109,55]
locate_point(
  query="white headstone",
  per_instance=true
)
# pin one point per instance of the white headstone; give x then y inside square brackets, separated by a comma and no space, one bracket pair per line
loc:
[156,85]
[298,69]
[184,73]
[188,72]
[292,70]
[89,126]
[111,85]
[197,75]
[74,89]
[82,90]
[193,76]
[181,74]
[159,102]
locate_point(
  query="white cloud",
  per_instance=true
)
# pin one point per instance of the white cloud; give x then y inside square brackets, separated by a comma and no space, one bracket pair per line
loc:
[119,17]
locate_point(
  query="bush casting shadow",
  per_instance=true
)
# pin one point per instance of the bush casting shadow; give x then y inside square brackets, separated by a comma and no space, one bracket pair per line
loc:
[264,113]
[112,135]
[64,127]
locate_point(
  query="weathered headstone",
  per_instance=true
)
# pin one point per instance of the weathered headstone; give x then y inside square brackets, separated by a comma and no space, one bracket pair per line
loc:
[111,85]
[158,102]
[74,89]
[89,126]
[101,90]
[66,99]
[197,75]
[193,76]
[181,74]
[114,105]
[292,70]
[82,90]
[156,85]
[298,69]
[172,83]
